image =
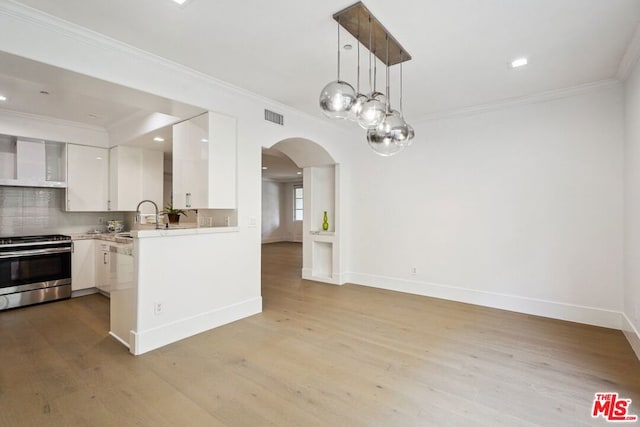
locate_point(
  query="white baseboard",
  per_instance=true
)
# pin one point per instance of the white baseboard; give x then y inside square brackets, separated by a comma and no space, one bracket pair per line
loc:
[83,292]
[120,340]
[334,279]
[151,339]
[632,334]
[555,310]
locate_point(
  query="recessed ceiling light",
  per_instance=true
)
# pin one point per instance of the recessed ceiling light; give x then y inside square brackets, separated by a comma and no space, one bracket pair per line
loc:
[44,92]
[519,62]
[204,140]
[180,2]
[158,139]
[98,158]
[347,47]
[3,98]
[264,168]
[299,173]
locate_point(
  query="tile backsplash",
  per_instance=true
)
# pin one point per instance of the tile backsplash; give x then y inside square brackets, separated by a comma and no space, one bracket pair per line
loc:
[28,210]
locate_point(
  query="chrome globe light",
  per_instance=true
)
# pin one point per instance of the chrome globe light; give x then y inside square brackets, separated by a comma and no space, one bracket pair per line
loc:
[381,139]
[356,108]
[372,113]
[336,99]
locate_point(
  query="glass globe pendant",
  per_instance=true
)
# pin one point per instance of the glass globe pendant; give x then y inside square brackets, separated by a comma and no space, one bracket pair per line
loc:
[357,106]
[381,139]
[372,113]
[337,97]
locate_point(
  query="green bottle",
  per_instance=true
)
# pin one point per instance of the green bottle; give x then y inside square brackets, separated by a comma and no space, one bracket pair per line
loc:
[325,221]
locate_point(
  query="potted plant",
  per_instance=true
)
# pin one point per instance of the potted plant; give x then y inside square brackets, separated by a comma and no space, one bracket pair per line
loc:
[173,214]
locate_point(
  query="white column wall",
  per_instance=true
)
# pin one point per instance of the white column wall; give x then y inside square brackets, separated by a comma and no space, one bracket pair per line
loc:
[632,211]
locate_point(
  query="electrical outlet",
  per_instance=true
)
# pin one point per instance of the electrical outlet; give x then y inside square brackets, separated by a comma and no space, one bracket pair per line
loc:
[100,220]
[414,271]
[157,308]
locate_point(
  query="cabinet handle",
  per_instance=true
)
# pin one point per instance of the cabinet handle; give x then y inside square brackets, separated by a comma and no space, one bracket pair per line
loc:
[104,258]
[108,205]
[187,200]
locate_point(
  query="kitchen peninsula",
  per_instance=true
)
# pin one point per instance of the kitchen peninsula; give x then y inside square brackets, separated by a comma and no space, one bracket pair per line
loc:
[180,288]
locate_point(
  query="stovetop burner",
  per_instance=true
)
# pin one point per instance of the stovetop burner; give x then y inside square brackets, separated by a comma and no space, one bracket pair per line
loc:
[33,239]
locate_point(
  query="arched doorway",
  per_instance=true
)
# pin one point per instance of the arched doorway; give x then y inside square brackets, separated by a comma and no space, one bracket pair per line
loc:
[320,185]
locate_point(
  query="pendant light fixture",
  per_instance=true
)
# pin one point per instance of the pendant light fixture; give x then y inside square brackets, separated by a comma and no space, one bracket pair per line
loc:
[337,97]
[387,131]
[382,138]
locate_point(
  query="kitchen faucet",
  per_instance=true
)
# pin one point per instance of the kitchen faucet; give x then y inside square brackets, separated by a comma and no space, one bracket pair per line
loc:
[138,213]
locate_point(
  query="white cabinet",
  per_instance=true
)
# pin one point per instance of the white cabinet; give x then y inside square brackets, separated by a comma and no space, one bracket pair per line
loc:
[190,163]
[32,163]
[204,162]
[102,266]
[122,291]
[83,265]
[222,162]
[135,174]
[87,178]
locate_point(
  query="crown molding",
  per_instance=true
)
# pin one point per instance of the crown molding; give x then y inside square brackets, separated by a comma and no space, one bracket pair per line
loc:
[522,100]
[631,56]
[50,120]
[84,35]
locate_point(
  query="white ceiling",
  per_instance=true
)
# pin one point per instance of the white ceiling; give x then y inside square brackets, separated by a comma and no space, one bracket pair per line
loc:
[76,97]
[279,166]
[285,49]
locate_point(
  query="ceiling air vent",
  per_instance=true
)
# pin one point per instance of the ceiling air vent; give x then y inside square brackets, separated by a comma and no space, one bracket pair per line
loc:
[274,117]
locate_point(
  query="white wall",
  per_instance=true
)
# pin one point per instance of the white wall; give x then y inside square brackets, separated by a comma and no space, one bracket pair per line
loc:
[632,211]
[277,213]
[519,209]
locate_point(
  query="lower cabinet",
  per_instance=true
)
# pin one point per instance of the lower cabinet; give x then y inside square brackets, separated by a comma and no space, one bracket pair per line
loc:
[83,265]
[102,267]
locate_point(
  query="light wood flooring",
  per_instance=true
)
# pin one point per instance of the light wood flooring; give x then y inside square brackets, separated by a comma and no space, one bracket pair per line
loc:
[319,355]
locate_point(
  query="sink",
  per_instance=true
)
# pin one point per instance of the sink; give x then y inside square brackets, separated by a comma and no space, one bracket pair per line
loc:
[124,234]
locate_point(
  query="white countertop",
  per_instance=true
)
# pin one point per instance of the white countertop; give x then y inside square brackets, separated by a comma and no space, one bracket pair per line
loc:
[152,232]
[109,237]
[169,232]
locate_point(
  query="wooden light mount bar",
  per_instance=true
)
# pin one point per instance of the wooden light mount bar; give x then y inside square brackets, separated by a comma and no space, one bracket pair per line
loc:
[355,19]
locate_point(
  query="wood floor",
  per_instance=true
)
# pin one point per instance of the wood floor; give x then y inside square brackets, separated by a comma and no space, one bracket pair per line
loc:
[318,355]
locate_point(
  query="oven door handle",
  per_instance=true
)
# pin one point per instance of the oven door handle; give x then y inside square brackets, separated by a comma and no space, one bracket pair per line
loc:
[34,252]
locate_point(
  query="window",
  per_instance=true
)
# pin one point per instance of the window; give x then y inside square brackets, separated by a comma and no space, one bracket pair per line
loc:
[298,194]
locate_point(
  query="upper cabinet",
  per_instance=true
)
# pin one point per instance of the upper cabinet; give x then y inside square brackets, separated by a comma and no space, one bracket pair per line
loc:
[87,178]
[204,162]
[32,163]
[135,174]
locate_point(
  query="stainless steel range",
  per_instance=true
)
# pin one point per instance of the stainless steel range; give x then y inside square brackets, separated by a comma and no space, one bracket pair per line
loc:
[34,269]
